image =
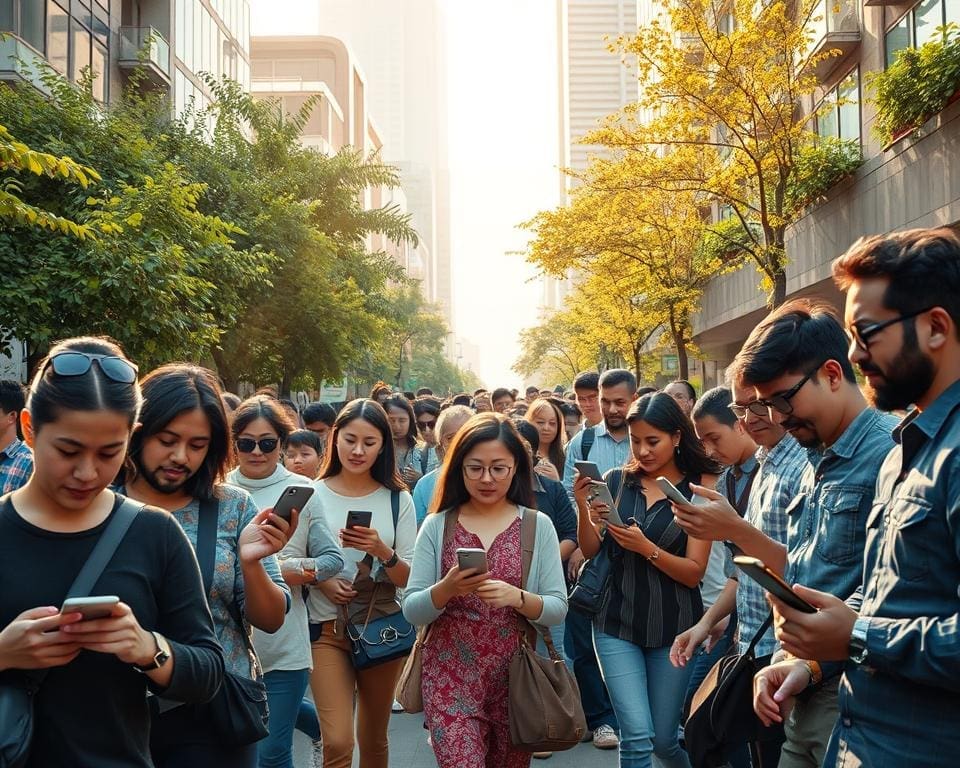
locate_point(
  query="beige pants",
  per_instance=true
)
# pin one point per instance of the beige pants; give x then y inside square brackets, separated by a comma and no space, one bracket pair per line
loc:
[809,727]
[336,685]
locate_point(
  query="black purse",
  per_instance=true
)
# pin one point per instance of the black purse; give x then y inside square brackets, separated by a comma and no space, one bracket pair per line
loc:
[17,698]
[239,711]
[593,581]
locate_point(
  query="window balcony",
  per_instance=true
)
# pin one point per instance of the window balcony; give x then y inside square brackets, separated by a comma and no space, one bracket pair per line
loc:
[834,29]
[19,62]
[145,47]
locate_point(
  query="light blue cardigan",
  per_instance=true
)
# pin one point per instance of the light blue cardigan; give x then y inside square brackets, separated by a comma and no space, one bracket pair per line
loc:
[545,577]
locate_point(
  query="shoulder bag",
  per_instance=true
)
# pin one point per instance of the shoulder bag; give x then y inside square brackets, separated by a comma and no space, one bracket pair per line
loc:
[544,707]
[388,637]
[239,711]
[586,595]
[17,700]
[409,690]
[721,711]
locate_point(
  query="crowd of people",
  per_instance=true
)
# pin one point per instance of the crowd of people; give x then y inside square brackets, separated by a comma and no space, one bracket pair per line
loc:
[241,618]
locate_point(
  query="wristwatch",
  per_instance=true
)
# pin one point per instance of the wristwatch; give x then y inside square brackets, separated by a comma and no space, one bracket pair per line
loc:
[394,559]
[161,657]
[858,640]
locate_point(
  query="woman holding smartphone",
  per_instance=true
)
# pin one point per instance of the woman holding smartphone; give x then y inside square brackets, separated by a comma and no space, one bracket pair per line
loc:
[91,708]
[654,589]
[358,480]
[487,482]
[546,416]
[263,425]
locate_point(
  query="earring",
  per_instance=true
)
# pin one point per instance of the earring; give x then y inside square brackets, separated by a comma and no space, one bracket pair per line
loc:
[676,450]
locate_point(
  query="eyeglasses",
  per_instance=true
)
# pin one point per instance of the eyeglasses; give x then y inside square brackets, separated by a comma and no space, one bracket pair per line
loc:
[427,424]
[266,445]
[781,403]
[75,363]
[477,471]
[862,336]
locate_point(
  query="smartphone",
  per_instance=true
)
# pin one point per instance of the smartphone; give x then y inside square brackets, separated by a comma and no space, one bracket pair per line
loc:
[772,582]
[672,492]
[91,607]
[472,558]
[601,492]
[293,497]
[361,519]
[588,469]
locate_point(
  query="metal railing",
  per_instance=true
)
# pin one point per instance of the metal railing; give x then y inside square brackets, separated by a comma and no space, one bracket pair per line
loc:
[20,59]
[133,40]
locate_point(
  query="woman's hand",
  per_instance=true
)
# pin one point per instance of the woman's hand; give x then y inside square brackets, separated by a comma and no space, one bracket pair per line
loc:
[631,537]
[266,535]
[775,689]
[457,583]
[574,564]
[338,591]
[36,640]
[582,488]
[411,475]
[686,644]
[366,540]
[499,594]
[546,468]
[119,634]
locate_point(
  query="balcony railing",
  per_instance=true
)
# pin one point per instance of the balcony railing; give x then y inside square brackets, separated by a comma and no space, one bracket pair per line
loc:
[156,52]
[834,29]
[19,61]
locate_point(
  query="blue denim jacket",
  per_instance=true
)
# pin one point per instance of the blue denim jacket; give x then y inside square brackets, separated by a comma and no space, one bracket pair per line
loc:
[902,705]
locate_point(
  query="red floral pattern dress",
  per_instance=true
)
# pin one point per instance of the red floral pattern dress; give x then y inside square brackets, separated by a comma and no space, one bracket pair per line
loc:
[466,663]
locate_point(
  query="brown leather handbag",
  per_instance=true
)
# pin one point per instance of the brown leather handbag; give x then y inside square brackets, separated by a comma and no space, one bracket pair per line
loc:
[544,701]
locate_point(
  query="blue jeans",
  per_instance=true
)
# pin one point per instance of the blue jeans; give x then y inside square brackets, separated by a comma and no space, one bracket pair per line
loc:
[578,645]
[285,689]
[307,720]
[647,693]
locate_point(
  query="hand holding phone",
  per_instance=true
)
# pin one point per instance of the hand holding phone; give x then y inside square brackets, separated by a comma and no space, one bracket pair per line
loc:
[91,607]
[588,469]
[772,582]
[359,518]
[600,493]
[294,497]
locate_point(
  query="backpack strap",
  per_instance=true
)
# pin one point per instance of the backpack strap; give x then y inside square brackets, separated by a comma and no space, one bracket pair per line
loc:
[105,548]
[395,512]
[586,442]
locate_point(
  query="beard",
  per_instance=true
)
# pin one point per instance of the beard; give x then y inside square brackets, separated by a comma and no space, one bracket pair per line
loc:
[157,483]
[910,375]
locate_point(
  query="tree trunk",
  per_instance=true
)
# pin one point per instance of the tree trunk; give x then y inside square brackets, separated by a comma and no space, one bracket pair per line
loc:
[636,361]
[680,343]
[227,375]
[779,288]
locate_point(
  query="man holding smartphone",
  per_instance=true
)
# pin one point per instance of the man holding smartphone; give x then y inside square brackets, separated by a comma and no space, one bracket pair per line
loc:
[900,693]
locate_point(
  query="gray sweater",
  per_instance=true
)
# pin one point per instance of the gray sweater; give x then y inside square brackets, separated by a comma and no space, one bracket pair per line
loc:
[545,577]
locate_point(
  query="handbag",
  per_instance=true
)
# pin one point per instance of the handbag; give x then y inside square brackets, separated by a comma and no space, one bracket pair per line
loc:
[721,711]
[544,706]
[239,711]
[17,698]
[593,581]
[409,691]
[389,636]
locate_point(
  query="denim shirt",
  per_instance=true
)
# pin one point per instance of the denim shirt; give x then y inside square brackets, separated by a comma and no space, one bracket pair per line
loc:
[904,700]
[828,519]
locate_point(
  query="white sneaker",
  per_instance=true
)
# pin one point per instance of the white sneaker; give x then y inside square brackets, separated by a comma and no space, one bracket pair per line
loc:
[397,707]
[317,754]
[604,737]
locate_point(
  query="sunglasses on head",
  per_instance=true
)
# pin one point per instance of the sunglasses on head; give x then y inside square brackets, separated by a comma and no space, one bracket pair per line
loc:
[248,444]
[74,363]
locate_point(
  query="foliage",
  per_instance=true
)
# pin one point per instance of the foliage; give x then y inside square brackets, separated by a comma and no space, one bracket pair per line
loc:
[818,166]
[917,85]
[559,348]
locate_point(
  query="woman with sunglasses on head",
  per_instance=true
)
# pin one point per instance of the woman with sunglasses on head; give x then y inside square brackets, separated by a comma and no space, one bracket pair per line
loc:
[260,430]
[91,707]
[359,479]
[487,483]
[654,588]
[426,411]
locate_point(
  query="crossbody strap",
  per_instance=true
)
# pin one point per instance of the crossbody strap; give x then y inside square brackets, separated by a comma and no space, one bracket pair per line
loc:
[760,633]
[105,548]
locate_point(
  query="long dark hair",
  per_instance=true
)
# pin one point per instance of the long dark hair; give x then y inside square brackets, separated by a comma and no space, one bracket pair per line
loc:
[661,412]
[169,391]
[51,393]
[402,404]
[384,469]
[451,491]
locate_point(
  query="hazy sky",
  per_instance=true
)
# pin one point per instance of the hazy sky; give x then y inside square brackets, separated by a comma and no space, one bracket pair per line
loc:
[502,104]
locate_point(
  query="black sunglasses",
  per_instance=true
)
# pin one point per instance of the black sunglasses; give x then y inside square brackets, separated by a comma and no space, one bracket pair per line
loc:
[862,336]
[427,424]
[73,363]
[781,402]
[266,444]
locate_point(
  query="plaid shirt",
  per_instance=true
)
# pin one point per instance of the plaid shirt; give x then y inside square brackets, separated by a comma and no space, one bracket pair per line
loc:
[776,485]
[16,466]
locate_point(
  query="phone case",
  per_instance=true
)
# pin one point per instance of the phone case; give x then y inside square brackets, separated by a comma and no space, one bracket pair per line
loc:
[293,497]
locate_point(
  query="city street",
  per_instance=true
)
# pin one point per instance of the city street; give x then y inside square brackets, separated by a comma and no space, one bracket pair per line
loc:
[409,749]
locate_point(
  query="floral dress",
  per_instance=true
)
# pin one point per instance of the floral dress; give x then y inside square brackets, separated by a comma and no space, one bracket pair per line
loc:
[466,665]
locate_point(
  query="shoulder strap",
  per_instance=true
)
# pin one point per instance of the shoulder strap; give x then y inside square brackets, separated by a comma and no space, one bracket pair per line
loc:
[424,459]
[760,633]
[207,526]
[528,536]
[105,548]
[586,442]
[450,518]
[395,511]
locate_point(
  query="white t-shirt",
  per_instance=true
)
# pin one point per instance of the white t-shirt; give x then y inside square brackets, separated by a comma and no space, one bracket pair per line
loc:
[335,508]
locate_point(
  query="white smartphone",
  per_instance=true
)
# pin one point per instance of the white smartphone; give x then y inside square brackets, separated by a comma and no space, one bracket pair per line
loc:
[601,492]
[672,492]
[91,607]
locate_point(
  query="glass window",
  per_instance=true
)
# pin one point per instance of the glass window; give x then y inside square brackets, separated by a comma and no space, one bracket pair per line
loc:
[58,37]
[179,31]
[6,16]
[198,14]
[897,39]
[828,123]
[848,98]
[99,65]
[952,11]
[101,25]
[80,53]
[927,17]
[80,10]
[30,22]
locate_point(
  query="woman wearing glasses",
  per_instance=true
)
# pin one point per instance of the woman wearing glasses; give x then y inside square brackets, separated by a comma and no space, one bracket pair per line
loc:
[91,708]
[487,482]
[359,478]
[260,428]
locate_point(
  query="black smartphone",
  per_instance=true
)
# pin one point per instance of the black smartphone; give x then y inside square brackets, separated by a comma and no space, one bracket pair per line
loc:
[468,557]
[293,497]
[588,469]
[360,518]
[772,582]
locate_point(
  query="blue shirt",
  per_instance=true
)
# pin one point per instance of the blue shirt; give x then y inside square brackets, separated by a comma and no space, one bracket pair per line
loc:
[423,494]
[903,702]
[606,452]
[776,485]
